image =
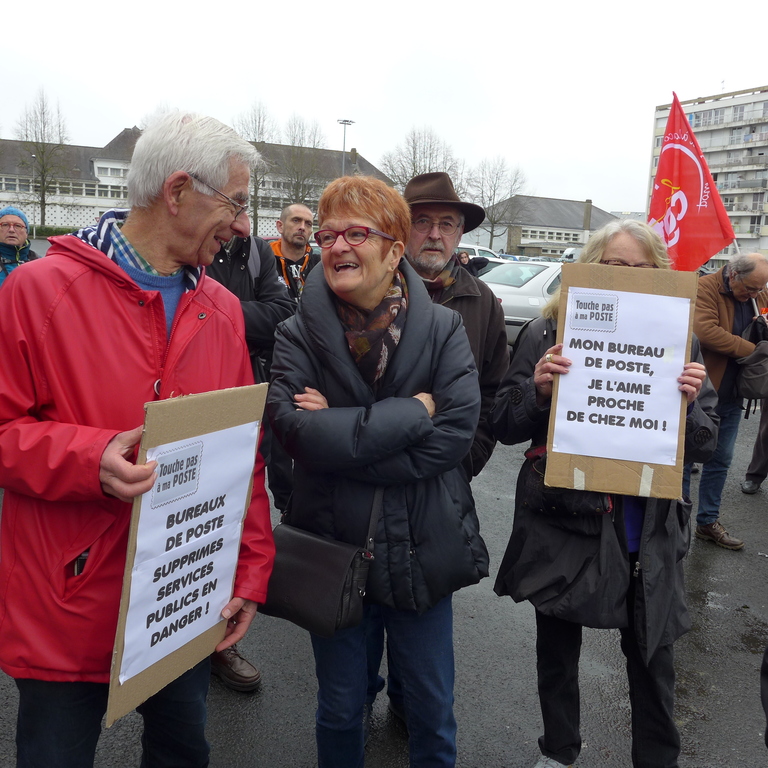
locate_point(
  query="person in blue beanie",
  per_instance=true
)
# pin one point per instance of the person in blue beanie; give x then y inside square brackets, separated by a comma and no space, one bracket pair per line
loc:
[14,243]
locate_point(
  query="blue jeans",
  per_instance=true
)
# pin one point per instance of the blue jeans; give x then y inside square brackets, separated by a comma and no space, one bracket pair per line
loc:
[374,653]
[715,471]
[422,647]
[59,723]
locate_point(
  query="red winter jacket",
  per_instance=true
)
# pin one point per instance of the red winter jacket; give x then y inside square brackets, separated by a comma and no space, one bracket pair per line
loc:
[82,348]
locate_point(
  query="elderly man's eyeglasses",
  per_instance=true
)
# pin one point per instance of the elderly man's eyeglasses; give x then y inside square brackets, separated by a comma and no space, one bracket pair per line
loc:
[424,225]
[355,236]
[620,263]
[239,208]
[751,290]
[6,226]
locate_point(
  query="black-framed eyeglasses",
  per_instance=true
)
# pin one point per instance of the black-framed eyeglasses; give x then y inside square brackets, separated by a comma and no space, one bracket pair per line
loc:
[620,263]
[355,236]
[239,208]
[424,225]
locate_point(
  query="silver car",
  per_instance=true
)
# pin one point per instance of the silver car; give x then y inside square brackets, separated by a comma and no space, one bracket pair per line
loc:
[523,288]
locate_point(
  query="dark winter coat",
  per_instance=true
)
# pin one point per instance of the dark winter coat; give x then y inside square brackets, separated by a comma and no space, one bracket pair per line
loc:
[428,543]
[547,555]
[248,271]
[484,323]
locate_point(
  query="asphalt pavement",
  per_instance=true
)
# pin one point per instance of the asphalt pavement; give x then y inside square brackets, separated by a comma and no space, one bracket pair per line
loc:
[718,704]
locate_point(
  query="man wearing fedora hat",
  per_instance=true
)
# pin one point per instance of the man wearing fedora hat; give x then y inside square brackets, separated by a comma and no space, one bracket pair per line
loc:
[440,219]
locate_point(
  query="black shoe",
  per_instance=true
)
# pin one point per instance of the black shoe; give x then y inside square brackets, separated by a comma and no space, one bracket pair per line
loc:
[234,671]
[750,486]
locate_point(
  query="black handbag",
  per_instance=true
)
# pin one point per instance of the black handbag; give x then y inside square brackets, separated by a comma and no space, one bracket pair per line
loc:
[752,378]
[319,583]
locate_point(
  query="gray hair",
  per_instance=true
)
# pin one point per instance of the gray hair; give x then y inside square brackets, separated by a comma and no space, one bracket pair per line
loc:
[593,251]
[744,264]
[183,141]
[646,236]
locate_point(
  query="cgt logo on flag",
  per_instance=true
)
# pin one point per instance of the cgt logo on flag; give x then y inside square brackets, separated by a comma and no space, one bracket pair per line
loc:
[686,209]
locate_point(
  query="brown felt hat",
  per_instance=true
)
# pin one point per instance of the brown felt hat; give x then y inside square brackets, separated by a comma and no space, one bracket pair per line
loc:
[430,188]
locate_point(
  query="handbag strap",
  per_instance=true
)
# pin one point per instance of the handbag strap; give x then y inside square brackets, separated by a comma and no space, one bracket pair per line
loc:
[378,499]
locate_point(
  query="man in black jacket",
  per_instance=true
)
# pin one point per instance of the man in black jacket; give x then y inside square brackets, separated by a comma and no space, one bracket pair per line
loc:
[246,266]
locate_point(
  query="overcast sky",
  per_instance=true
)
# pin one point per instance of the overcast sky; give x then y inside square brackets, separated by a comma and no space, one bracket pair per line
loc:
[564,90]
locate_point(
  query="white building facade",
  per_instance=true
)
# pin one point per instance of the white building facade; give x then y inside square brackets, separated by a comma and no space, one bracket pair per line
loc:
[732,130]
[91,180]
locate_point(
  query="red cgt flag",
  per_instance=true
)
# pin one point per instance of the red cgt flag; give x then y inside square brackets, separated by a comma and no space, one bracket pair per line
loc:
[686,209]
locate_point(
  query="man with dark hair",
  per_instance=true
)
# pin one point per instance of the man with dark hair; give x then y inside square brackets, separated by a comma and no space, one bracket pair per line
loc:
[293,254]
[725,306]
[294,260]
[246,267]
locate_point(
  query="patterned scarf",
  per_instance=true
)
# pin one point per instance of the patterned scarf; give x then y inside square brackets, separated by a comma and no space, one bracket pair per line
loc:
[446,278]
[373,336]
[100,237]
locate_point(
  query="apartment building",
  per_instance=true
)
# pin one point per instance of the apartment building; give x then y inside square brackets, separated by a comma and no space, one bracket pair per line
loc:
[732,130]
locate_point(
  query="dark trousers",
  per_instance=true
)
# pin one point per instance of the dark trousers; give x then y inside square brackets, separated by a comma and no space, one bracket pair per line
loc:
[758,467]
[59,723]
[655,739]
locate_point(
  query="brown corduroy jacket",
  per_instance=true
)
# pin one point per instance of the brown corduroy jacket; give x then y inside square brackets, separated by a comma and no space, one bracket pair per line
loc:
[712,324]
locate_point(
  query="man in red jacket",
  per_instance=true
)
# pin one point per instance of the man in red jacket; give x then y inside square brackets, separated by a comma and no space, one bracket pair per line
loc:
[117,315]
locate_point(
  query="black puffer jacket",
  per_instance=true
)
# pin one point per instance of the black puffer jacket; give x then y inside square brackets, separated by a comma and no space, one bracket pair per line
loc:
[247,269]
[428,543]
[547,555]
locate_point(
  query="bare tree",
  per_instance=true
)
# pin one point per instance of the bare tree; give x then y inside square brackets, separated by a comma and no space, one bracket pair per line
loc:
[301,167]
[257,125]
[495,185]
[422,151]
[43,132]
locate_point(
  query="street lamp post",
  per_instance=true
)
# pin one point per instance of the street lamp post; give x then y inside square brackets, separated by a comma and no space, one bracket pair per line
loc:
[345,123]
[34,224]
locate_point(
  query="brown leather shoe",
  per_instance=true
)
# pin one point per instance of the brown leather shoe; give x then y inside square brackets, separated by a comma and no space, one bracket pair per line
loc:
[234,671]
[715,533]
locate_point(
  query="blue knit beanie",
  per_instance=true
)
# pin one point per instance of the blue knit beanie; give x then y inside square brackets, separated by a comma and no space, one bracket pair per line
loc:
[9,210]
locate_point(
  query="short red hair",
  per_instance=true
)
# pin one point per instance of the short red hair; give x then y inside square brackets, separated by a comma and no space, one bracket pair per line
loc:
[370,198]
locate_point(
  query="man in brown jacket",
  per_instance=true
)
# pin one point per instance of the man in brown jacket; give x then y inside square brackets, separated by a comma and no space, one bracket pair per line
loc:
[723,311]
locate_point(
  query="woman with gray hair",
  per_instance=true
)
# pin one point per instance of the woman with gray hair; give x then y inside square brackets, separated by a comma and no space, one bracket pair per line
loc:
[551,553]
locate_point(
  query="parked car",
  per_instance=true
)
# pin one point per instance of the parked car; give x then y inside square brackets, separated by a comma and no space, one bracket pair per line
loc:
[491,263]
[477,250]
[523,288]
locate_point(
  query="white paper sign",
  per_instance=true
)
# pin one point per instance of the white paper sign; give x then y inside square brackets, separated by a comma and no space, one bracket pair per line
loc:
[620,398]
[187,543]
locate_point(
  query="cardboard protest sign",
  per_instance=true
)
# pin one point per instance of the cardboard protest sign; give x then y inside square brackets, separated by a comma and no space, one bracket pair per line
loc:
[618,418]
[184,538]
